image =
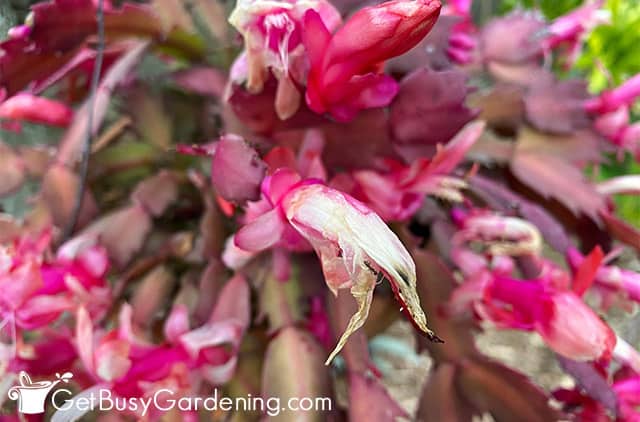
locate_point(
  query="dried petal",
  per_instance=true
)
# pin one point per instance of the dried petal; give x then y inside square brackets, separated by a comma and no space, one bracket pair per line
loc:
[356,248]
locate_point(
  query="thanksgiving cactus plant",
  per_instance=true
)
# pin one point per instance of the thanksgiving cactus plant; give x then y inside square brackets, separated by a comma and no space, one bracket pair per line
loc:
[233,199]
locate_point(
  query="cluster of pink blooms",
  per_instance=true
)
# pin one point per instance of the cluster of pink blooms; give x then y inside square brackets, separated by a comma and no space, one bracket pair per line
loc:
[611,109]
[316,68]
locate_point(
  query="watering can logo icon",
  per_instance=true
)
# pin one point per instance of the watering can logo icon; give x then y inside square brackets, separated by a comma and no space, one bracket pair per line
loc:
[32,395]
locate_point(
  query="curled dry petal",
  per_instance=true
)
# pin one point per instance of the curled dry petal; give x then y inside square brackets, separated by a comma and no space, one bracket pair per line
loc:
[501,235]
[356,249]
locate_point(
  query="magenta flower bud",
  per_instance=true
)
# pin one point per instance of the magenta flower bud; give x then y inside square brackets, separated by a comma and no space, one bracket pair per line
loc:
[21,31]
[30,108]
[37,289]
[611,100]
[345,67]
[562,319]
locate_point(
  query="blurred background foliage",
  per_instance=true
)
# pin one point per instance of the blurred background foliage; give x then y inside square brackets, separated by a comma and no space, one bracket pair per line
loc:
[609,57]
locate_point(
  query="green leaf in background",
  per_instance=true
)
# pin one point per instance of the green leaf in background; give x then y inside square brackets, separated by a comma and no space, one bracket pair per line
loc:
[608,58]
[550,8]
[627,206]
[612,47]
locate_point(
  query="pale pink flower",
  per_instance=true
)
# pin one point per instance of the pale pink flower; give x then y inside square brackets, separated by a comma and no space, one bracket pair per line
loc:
[272,31]
[36,290]
[398,191]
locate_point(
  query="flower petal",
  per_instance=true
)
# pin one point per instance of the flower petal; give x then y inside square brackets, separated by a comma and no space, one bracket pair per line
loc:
[261,233]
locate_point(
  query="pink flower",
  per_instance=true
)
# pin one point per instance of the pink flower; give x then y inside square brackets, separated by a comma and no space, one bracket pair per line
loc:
[626,387]
[571,29]
[572,329]
[30,108]
[613,99]
[563,320]
[550,304]
[35,290]
[345,74]
[272,32]
[355,246]
[397,192]
[131,367]
[611,113]
[262,219]
[611,283]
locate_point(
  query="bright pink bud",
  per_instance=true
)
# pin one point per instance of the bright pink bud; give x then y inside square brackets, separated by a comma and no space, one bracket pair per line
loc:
[345,68]
[35,109]
[611,100]
[463,39]
[612,124]
[21,31]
